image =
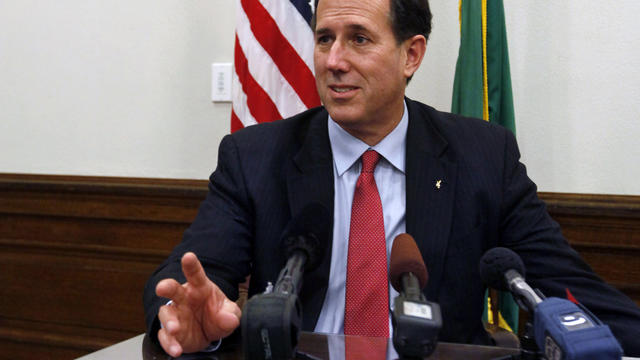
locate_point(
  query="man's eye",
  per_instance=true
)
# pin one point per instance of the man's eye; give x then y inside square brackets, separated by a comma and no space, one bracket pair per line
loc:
[323,39]
[359,39]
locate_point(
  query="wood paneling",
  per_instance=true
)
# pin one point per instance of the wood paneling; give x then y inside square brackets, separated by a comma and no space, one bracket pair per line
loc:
[75,253]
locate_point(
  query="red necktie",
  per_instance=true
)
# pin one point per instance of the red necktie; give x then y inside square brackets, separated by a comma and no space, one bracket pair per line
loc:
[365,348]
[367,289]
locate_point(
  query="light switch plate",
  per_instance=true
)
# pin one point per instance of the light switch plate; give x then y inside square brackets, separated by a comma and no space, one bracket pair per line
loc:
[221,82]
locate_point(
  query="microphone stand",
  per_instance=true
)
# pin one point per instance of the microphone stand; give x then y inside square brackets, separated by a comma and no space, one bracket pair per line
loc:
[528,347]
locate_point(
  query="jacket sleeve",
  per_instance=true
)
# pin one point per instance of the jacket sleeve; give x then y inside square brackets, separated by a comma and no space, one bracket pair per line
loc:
[220,235]
[551,264]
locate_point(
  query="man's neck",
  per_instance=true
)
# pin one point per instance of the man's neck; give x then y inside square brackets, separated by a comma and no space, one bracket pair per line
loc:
[371,135]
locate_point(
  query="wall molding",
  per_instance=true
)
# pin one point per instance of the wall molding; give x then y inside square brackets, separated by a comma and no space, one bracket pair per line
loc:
[83,248]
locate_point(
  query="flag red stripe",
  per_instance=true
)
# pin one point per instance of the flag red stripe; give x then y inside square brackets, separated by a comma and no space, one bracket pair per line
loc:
[258,101]
[236,124]
[287,60]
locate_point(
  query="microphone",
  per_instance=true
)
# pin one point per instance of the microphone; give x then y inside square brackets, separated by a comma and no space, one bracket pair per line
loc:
[500,268]
[301,243]
[416,321]
[271,321]
[563,330]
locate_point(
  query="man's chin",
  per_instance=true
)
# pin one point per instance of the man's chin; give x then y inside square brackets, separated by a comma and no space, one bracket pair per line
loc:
[344,120]
[341,113]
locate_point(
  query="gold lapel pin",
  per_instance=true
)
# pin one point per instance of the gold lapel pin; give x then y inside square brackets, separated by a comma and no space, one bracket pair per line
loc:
[438,184]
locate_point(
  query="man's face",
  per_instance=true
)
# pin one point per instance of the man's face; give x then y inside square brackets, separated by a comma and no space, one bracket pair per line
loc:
[360,67]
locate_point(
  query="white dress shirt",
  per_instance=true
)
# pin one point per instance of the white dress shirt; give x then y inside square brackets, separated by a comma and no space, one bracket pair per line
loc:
[390,180]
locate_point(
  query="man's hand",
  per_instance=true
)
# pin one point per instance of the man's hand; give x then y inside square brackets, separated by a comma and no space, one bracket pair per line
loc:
[199,314]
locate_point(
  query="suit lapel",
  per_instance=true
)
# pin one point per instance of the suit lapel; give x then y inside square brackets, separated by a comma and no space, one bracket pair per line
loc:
[310,179]
[310,175]
[430,182]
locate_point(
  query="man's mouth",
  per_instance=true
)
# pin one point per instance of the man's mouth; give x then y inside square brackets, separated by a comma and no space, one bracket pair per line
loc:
[342,89]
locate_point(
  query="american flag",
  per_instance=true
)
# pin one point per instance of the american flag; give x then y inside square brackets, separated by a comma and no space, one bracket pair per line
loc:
[273,61]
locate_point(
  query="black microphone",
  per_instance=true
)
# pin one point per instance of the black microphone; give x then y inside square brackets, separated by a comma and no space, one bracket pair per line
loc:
[416,321]
[562,329]
[301,243]
[501,269]
[271,321]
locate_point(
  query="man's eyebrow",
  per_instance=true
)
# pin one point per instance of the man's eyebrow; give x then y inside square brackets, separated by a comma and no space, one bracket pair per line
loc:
[322,31]
[357,27]
[352,27]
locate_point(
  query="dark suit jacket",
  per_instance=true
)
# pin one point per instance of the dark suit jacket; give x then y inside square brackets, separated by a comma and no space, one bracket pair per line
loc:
[268,172]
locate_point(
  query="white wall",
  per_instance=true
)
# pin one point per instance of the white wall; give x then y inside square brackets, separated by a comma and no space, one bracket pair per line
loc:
[115,87]
[576,71]
[122,88]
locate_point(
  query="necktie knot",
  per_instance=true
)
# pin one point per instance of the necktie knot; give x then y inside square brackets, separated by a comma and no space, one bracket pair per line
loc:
[370,160]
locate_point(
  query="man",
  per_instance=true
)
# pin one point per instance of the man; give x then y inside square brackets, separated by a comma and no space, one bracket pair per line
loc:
[454,184]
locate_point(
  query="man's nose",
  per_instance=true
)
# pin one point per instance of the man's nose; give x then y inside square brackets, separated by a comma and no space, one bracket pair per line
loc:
[338,59]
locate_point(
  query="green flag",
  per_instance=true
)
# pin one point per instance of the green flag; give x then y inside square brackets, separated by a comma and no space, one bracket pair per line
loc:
[482,89]
[482,84]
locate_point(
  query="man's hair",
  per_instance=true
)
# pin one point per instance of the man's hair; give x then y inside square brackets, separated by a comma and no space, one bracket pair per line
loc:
[408,18]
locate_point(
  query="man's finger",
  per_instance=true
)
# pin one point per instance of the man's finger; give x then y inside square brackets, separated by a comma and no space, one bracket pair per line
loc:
[169,343]
[227,322]
[171,289]
[232,307]
[193,270]
[168,317]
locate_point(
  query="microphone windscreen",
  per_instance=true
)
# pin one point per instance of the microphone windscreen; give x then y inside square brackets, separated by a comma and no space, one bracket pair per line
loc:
[405,258]
[495,263]
[308,231]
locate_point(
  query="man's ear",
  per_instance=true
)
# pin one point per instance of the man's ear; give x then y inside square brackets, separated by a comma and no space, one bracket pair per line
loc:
[415,48]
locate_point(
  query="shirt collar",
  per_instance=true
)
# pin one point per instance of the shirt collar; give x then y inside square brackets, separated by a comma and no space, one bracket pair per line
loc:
[347,149]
